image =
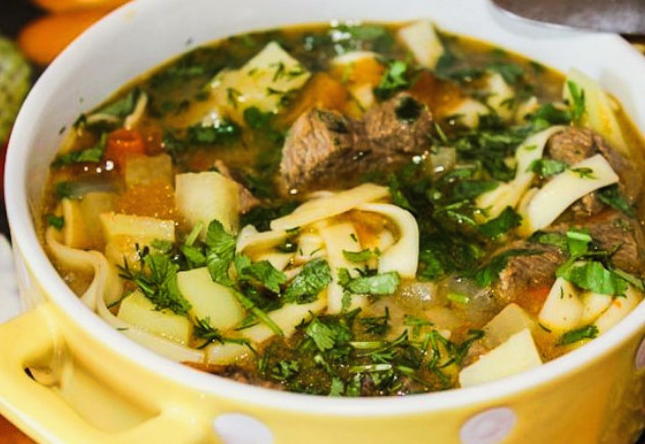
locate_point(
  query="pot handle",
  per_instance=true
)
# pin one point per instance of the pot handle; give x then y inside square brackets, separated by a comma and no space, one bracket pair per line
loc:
[31,339]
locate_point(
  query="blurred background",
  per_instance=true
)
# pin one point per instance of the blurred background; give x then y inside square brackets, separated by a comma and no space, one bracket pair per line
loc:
[32,33]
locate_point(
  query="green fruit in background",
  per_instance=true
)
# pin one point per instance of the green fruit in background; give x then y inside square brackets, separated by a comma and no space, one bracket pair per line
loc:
[15,81]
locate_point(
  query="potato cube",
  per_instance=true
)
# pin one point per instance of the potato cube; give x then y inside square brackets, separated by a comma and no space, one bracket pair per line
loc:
[140,312]
[204,197]
[517,354]
[209,299]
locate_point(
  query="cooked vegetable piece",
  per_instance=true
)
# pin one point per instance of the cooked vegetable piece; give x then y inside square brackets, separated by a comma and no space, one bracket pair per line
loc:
[264,82]
[75,232]
[517,354]
[147,170]
[422,40]
[140,312]
[562,309]
[511,320]
[204,197]
[209,300]
[287,318]
[619,308]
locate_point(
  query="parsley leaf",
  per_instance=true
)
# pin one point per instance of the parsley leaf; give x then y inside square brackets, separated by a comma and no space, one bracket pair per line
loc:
[57,222]
[221,251]
[510,72]
[612,196]
[379,284]
[307,284]
[376,325]
[586,332]
[394,79]
[158,283]
[323,335]
[584,172]
[577,104]
[545,167]
[204,330]
[593,276]
[506,221]
[91,155]
[222,132]
[359,256]
[123,106]
[262,272]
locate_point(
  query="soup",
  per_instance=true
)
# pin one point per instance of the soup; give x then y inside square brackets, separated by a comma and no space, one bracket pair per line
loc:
[352,210]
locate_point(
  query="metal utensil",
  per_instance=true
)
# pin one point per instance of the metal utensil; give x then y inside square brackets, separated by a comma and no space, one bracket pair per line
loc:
[620,16]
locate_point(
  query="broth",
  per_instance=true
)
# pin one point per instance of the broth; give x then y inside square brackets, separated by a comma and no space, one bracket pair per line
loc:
[353,209]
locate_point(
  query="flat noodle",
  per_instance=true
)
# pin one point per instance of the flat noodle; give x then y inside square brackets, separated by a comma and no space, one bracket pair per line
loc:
[403,256]
[330,206]
[106,285]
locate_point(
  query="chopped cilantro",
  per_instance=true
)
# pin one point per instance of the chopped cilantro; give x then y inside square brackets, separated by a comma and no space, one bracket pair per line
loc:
[57,222]
[204,330]
[545,167]
[262,272]
[379,284]
[394,79]
[584,172]
[221,252]
[360,256]
[376,325]
[577,104]
[586,332]
[222,132]
[305,287]
[123,106]
[502,224]
[416,323]
[510,72]
[593,276]
[158,283]
[90,155]
[613,197]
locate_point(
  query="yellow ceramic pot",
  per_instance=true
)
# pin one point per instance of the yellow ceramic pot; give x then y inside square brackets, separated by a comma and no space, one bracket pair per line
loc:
[91,384]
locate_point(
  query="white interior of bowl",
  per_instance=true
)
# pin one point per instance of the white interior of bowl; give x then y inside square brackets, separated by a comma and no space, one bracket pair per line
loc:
[145,33]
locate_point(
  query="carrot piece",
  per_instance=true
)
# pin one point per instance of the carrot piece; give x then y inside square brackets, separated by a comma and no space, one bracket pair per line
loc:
[122,143]
[437,94]
[322,91]
[71,5]
[534,298]
[44,38]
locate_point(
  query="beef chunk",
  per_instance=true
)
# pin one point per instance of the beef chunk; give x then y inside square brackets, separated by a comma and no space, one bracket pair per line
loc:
[325,149]
[398,127]
[614,231]
[525,273]
[247,199]
[575,144]
[320,146]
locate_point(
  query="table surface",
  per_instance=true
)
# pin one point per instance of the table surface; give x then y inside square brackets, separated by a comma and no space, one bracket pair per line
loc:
[13,15]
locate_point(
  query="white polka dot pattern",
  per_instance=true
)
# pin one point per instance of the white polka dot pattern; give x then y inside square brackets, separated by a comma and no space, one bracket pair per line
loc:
[237,428]
[488,427]
[640,356]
